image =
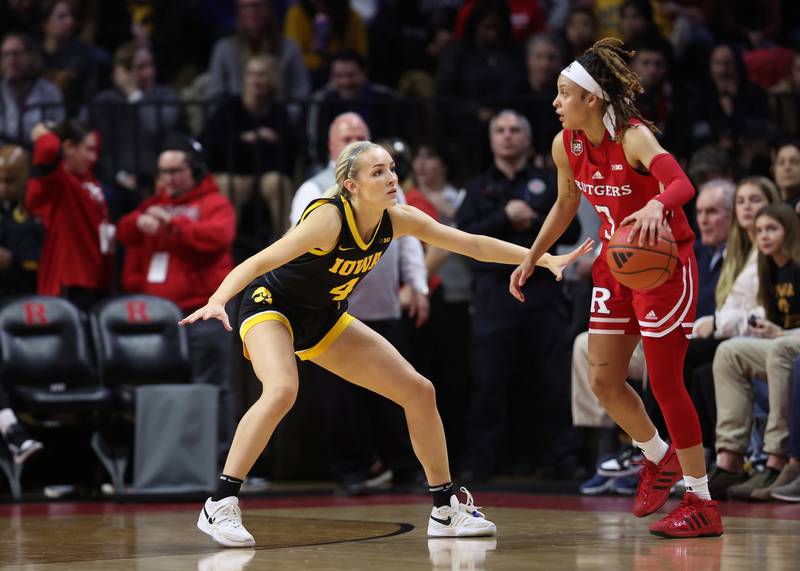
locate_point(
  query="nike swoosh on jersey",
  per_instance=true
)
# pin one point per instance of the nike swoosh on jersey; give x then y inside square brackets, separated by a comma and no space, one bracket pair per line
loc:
[343,249]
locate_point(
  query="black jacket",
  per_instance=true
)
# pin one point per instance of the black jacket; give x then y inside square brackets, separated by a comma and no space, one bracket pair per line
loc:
[22,235]
[483,212]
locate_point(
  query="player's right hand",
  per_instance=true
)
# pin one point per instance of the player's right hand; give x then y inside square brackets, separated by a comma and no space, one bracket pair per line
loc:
[520,276]
[211,310]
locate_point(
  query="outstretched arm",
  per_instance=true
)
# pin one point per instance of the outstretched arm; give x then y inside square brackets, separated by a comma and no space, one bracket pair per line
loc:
[410,221]
[319,231]
[557,221]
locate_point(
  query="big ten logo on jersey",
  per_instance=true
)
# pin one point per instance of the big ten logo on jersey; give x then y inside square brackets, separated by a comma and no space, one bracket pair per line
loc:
[137,312]
[262,295]
[35,314]
[603,189]
[348,267]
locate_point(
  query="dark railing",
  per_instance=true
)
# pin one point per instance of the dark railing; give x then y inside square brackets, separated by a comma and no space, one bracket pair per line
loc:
[131,134]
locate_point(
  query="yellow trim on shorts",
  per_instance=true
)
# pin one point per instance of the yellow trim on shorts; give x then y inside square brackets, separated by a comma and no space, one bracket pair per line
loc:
[262,317]
[332,335]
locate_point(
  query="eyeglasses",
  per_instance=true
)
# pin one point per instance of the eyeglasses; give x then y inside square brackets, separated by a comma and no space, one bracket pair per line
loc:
[172,171]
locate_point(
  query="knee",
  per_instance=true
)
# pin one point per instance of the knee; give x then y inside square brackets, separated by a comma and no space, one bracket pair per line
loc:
[422,395]
[723,359]
[280,397]
[605,388]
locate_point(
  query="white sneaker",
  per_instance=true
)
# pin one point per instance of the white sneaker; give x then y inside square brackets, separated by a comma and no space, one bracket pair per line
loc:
[222,520]
[459,520]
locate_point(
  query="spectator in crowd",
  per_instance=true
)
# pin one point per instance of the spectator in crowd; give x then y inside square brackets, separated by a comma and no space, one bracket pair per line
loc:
[413,34]
[544,60]
[438,346]
[249,139]
[258,33]
[133,117]
[786,170]
[787,485]
[323,28]
[68,62]
[179,248]
[738,279]
[349,90]
[767,354]
[376,302]
[710,163]
[21,234]
[20,444]
[785,99]
[662,101]
[78,251]
[581,30]
[509,201]
[27,98]
[729,105]
[474,71]
[20,15]
[526,16]
[636,24]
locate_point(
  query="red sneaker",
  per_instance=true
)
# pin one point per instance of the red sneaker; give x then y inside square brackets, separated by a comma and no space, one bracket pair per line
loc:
[655,482]
[692,518]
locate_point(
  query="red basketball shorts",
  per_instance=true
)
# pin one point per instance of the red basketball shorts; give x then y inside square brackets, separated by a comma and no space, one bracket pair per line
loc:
[618,310]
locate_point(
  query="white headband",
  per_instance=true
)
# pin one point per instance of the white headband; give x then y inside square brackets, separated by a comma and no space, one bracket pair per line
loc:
[577,73]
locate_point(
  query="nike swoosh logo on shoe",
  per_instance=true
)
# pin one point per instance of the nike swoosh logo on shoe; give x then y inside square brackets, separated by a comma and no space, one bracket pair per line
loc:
[447,521]
[208,517]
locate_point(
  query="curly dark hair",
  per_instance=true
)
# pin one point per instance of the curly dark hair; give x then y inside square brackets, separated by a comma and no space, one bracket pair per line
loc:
[606,63]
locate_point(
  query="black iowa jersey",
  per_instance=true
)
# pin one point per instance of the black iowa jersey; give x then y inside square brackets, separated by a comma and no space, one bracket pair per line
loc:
[319,278]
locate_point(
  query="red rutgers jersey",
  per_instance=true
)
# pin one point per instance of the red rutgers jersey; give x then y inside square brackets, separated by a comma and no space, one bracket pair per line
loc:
[615,188]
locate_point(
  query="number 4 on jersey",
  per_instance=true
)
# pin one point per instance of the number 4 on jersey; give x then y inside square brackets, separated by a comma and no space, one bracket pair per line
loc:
[341,292]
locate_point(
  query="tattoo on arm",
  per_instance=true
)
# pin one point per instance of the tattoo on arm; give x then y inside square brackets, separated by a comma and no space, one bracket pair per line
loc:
[573,192]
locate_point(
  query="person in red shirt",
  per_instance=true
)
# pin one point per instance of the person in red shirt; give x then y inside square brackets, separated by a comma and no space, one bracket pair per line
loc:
[178,246]
[77,255]
[609,153]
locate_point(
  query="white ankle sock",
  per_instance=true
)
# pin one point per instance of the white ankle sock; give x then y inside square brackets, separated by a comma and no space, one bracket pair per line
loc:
[698,486]
[654,449]
[7,418]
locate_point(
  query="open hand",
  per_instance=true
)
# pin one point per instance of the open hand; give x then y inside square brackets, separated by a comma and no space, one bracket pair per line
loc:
[211,310]
[520,276]
[556,264]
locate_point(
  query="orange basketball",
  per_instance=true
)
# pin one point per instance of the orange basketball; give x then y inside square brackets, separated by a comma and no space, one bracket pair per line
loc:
[641,267]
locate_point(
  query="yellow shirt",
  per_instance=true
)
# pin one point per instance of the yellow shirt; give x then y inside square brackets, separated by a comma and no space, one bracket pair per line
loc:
[299,27]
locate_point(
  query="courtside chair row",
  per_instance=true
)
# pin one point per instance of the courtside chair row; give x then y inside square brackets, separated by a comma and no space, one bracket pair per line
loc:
[57,373]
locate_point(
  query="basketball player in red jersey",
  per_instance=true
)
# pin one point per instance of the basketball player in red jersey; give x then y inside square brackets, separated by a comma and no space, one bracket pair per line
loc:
[608,153]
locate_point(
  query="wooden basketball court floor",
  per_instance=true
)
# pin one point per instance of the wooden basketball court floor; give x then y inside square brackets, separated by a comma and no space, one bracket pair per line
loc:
[387,533]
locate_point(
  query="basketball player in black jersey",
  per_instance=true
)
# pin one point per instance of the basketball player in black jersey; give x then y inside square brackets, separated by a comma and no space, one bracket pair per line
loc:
[296,303]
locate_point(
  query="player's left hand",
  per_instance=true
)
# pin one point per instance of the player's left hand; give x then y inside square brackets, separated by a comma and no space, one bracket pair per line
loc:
[646,222]
[556,264]
[211,310]
[764,329]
